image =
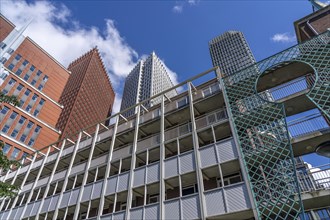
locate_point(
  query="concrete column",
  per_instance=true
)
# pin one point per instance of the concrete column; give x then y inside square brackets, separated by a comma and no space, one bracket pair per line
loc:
[88,164]
[161,160]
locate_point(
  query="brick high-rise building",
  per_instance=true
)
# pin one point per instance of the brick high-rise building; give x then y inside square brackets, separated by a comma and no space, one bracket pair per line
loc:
[37,79]
[88,96]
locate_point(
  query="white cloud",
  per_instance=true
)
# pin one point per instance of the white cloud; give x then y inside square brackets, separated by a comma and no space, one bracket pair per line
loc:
[283,38]
[67,44]
[177,8]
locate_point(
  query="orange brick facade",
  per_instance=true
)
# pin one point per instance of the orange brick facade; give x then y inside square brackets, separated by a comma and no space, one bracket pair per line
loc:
[88,96]
[37,80]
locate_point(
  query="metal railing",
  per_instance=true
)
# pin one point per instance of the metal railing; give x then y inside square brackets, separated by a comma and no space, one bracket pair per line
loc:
[290,88]
[307,124]
[314,178]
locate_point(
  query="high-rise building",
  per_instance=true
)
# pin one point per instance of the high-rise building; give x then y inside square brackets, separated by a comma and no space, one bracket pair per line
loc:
[203,154]
[37,79]
[148,78]
[313,24]
[88,96]
[230,52]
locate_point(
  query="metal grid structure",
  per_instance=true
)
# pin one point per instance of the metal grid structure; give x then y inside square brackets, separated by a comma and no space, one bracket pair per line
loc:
[261,129]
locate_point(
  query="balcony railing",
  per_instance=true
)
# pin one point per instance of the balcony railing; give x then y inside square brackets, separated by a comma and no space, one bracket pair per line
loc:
[307,124]
[314,178]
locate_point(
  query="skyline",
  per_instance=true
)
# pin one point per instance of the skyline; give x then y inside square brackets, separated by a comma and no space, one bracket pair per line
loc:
[74,27]
[123,40]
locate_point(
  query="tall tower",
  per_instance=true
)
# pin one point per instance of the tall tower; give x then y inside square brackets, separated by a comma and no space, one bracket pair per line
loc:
[88,96]
[37,80]
[231,52]
[148,78]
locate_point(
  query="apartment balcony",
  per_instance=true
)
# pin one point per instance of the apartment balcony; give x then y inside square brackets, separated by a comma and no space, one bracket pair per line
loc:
[315,186]
[308,132]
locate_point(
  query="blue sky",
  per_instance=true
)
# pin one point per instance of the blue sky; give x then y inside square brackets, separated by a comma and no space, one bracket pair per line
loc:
[178,31]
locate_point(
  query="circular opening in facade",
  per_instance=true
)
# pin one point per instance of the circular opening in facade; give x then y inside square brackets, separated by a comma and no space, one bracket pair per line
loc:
[284,80]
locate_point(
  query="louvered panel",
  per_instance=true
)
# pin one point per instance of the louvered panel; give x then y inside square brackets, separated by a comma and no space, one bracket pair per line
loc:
[13,213]
[226,150]
[87,193]
[122,182]
[151,212]
[237,198]
[215,203]
[208,156]
[171,167]
[119,216]
[74,197]
[190,207]
[187,163]
[136,213]
[97,190]
[18,213]
[65,199]
[106,217]
[111,185]
[46,205]
[53,203]
[5,214]
[28,210]
[34,209]
[172,209]
[139,176]
[153,173]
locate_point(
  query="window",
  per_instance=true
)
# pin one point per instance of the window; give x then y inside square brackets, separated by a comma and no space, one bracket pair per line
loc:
[18,72]
[189,190]
[45,78]
[13,115]
[206,92]
[36,112]
[10,51]
[42,101]
[18,57]
[3,60]
[32,68]
[15,153]
[11,82]
[34,97]
[5,91]
[40,87]
[31,142]
[26,77]
[2,45]
[23,138]
[24,155]
[21,103]
[5,129]
[39,73]
[14,133]
[27,92]
[182,102]
[19,87]
[28,108]
[153,198]
[33,82]
[123,206]
[4,110]
[37,129]
[11,66]
[25,62]
[30,124]
[22,120]
[230,179]
[6,149]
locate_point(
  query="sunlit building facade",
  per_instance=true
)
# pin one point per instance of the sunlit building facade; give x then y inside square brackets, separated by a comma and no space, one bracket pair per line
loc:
[219,150]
